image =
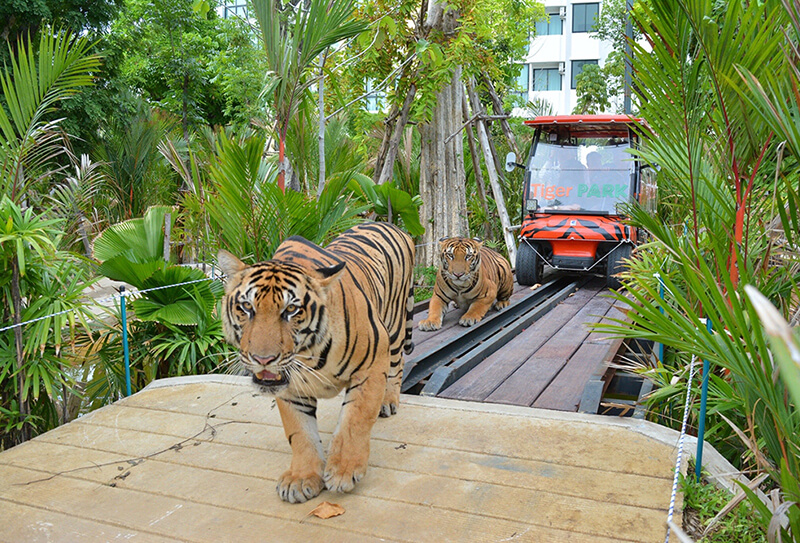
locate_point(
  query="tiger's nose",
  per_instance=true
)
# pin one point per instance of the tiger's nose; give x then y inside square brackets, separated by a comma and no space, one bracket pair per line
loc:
[264,360]
[458,275]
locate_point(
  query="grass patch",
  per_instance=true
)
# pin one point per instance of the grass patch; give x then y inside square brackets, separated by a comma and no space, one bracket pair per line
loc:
[701,503]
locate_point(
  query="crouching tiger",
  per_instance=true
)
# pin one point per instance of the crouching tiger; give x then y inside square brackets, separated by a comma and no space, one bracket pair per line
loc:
[311,322]
[472,276]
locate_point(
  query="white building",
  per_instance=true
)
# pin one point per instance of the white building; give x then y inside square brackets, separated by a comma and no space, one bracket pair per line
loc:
[563,45]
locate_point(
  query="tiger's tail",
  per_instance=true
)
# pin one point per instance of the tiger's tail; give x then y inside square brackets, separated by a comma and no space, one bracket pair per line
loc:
[408,345]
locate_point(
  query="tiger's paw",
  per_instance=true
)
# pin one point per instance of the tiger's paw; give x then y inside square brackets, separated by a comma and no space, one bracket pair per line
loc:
[389,409]
[500,304]
[428,325]
[468,320]
[299,488]
[342,475]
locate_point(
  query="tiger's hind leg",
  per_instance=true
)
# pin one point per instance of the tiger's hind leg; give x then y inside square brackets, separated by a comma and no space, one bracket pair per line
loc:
[391,398]
[394,379]
[349,450]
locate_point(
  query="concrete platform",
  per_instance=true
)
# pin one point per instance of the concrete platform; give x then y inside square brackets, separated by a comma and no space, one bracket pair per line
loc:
[197,459]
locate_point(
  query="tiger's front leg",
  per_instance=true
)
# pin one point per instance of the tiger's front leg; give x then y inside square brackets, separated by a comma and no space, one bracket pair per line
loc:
[436,311]
[478,309]
[349,450]
[303,480]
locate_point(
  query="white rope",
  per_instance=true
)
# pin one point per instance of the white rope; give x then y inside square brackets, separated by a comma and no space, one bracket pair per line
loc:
[680,447]
[127,294]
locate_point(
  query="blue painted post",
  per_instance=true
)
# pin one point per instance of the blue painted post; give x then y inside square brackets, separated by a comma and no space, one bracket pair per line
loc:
[701,426]
[125,340]
[660,349]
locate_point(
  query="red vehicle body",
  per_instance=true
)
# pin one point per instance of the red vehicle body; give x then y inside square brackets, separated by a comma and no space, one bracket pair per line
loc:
[577,177]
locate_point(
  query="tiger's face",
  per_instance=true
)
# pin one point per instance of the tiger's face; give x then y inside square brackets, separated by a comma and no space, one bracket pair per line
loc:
[460,259]
[275,312]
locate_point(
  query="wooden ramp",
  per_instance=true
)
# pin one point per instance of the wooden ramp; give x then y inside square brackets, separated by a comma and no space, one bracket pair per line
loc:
[196,459]
[548,365]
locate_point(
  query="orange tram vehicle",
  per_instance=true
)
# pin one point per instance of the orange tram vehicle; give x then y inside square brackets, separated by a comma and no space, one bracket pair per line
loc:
[578,176]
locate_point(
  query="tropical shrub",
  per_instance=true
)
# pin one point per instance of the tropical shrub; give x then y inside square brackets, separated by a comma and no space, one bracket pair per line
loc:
[722,190]
[178,331]
[252,215]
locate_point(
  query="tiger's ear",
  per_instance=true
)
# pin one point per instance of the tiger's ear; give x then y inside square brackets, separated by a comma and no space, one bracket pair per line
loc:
[330,275]
[442,242]
[228,263]
[479,241]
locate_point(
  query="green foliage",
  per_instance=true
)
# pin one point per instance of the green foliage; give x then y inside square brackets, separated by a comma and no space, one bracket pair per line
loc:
[50,292]
[292,42]
[23,18]
[424,280]
[381,197]
[180,56]
[592,91]
[178,324]
[135,173]
[722,191]
[40,77]
[705,500]
[252,216]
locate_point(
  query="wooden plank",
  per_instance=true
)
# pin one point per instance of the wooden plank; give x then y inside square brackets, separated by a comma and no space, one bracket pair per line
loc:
[427,341]
[588,363]
[530,379]
[487,376]
[535,374]
[443,471]
[565,391]
[567,340]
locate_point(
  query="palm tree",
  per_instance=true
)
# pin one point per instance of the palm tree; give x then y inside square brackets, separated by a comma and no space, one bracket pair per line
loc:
[39,78]
[717,180]
[251,214]
[294,35]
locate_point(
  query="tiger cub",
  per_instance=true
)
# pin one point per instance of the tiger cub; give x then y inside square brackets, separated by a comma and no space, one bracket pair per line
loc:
[472,276]
[311,322]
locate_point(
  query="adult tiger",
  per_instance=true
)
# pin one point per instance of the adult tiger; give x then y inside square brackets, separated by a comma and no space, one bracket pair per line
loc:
[472,276]
[311,322]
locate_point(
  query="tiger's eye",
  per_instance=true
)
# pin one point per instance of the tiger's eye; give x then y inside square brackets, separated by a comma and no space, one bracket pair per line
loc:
[291,308]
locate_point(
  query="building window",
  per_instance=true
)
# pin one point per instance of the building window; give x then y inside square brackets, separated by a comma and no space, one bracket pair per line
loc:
[577,68]
[523,82]
[374,100]
[552,26]
[236,10]
[546,79]
[584,17]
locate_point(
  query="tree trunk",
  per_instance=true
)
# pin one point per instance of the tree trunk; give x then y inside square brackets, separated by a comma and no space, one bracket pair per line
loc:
[321,135]
[497,105]
[16,297]
[387,163]
[493,175]
[476,167]
[441,185]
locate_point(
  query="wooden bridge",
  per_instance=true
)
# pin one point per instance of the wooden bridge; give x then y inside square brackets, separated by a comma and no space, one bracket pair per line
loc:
[542,355]
[197,459]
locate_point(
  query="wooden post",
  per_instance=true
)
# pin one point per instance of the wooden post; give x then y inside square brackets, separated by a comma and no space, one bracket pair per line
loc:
[498,110]
[167,229]
[483,138]
[476,167]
